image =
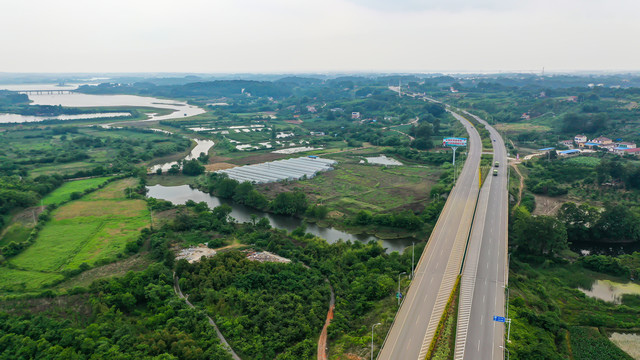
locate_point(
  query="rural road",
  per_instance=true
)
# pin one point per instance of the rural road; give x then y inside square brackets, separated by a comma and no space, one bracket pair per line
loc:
[436,272]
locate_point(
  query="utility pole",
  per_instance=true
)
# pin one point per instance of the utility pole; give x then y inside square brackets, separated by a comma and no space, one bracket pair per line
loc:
[373,326]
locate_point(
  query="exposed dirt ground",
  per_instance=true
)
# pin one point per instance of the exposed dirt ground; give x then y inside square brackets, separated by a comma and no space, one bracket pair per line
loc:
[257,159]
[219,166]
[549,206]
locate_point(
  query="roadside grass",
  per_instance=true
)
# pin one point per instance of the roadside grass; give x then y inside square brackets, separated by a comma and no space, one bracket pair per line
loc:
[444,341]
[357,343]
[94,229]
[63,193]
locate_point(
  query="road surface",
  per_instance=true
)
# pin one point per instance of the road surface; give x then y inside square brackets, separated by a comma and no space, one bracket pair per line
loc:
[485,267]
[436,272]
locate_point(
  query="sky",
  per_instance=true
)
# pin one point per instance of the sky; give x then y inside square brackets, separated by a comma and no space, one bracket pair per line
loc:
[297,36]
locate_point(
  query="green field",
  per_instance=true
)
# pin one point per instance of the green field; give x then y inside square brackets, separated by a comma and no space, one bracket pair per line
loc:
[63,193]
[93,229]
[15,232]
[584,160]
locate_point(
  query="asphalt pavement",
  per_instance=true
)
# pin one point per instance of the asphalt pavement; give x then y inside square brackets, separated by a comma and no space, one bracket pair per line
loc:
[439,265]
[485,267]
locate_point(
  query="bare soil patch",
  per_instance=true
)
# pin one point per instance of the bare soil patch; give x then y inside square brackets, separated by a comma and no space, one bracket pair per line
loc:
[136,262]
[215,159]
[25,217]
[257,159]
[219,166]
[296,122]
[549,206]
[73,307]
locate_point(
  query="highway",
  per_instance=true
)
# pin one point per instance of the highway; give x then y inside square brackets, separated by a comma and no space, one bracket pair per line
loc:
[436,272]
[484,274]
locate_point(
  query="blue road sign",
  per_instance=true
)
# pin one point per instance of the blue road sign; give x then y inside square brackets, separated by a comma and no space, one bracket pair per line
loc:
[398,295]
[498,318]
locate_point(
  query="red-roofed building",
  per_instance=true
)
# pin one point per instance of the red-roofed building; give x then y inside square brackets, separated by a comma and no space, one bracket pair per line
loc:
[634,151]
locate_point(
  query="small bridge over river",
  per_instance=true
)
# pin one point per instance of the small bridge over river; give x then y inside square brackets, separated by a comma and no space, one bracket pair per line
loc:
[44,92]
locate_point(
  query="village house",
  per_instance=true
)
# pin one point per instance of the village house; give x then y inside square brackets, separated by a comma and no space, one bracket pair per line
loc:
[635,151]
[567,143]
[588,145]
[626,145]
[355,115]
[580,139]
[601,140]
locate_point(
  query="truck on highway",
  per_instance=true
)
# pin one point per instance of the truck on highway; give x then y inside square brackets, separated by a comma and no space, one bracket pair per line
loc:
[496,164]
[495,172]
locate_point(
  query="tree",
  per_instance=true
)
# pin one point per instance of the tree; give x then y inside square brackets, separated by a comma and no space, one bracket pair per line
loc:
[578,220]
[617,223]
[540,235]
[192,168]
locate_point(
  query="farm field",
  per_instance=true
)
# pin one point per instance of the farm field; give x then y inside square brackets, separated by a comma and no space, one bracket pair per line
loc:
[63,193]
[91,230]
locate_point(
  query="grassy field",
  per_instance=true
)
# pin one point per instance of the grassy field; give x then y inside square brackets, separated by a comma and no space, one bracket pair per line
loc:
[63,193]
[94,228]
[15,232]
[353,187]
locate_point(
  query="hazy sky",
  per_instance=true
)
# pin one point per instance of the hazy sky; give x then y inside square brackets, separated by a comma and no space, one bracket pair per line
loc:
[318,35]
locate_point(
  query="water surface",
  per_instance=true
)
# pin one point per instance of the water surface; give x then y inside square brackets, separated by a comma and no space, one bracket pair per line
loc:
[182,193]
[611,291]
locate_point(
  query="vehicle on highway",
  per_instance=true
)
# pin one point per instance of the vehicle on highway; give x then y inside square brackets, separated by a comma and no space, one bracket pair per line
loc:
[495,172]
[496,164]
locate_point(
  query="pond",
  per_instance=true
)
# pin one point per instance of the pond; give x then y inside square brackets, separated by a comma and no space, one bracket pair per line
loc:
[630,343]
[182,193]
[611,291]
[202,146]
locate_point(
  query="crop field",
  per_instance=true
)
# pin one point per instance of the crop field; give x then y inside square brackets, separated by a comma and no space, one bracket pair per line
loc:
[63,193]
[588,343]
[92,229]
[584,160]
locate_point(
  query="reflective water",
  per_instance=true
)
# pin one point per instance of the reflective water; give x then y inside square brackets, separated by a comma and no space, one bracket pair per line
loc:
[181,194]
[15,118]
[181,109]
[611,291]
[202,146]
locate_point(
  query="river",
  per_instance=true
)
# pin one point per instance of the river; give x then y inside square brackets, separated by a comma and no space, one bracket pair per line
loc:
[182,193]
[180,108]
